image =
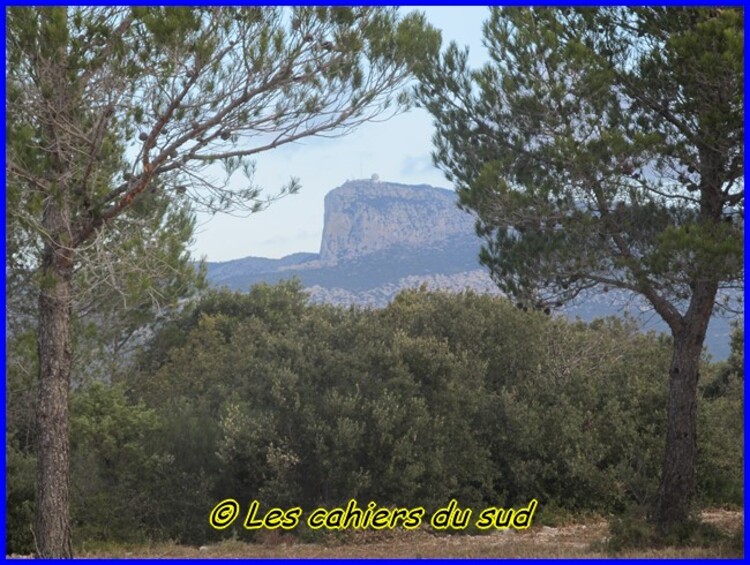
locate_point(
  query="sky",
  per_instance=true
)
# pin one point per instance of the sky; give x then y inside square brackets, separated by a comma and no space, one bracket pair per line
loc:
[397,150]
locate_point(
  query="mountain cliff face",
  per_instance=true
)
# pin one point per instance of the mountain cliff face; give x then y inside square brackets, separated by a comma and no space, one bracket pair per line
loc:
[380,238]
[362,217]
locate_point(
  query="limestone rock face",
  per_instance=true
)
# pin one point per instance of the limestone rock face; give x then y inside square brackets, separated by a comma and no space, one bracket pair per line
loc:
[365,216]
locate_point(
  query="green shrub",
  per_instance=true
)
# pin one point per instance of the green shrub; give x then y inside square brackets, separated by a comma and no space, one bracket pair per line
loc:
[438,396]
[19,500]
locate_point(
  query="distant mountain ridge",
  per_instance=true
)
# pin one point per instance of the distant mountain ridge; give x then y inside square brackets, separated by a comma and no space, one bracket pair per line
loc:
[382,237]
[375,234]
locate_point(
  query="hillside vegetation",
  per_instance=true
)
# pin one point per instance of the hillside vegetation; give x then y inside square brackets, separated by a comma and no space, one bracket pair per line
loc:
[264,396]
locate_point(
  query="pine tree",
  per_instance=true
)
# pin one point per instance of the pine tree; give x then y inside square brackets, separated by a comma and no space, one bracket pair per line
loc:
[604,148]
[108,105]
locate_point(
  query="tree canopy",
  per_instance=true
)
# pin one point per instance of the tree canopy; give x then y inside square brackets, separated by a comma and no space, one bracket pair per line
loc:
[600,147]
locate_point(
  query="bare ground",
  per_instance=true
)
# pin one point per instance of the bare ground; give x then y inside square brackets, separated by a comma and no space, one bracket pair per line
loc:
[574,540]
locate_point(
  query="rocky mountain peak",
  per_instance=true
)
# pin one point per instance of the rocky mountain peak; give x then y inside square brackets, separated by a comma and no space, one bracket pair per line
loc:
[365,216]
[381,237]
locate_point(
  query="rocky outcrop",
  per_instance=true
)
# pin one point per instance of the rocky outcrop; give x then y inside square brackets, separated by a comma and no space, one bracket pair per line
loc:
[365,216]
[380,238]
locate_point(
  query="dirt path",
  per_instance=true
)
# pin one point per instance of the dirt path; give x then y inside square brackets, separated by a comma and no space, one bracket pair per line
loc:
[576,540]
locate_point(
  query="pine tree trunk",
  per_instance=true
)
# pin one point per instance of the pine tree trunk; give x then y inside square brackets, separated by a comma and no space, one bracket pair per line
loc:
[678,473]
[52,530]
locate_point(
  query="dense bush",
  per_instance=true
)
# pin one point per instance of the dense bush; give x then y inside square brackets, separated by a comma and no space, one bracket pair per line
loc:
[263,396]
[720,420]
[19,498]
[113,463]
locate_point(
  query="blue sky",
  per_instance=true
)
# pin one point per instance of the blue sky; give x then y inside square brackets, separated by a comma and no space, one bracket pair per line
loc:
[397,150]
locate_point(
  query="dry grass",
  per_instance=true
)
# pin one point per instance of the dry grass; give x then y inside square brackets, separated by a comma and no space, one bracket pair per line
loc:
[574,540]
